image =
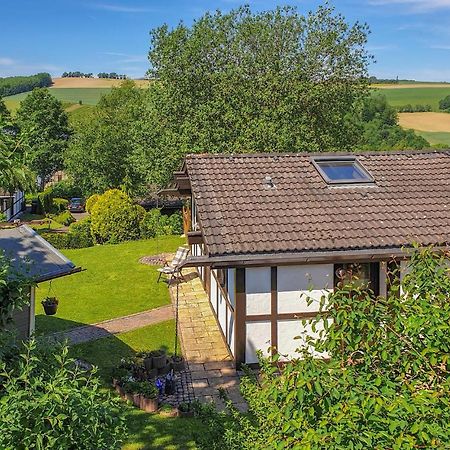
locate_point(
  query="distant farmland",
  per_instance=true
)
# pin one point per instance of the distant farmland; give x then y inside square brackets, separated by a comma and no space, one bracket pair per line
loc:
[88,96]
[397,96]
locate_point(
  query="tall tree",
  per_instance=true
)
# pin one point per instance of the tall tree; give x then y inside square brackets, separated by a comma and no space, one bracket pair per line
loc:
[270,81]
[43,118]
[100,153]
[14,173]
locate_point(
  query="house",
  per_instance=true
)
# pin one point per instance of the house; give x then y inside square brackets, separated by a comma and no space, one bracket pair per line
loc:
[270,230]
[11,203]
[37,259]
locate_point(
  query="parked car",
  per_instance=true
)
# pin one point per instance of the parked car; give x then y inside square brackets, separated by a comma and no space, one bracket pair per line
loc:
[76,205]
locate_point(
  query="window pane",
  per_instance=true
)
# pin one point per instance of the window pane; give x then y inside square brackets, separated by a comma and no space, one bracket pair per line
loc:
[347,170]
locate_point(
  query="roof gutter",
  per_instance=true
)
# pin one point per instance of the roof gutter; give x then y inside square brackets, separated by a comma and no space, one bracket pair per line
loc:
[49,277]
[296,258]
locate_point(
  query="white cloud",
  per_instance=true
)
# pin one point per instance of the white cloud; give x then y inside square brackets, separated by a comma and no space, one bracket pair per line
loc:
[415,5]
[121,8]
[126,58]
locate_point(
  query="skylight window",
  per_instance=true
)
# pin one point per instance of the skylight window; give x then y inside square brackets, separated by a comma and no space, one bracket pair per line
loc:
[342,170]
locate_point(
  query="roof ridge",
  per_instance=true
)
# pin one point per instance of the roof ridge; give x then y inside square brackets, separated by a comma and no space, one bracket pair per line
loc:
[313,154]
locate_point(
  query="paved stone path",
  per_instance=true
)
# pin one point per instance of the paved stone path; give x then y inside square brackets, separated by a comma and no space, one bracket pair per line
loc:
[114,326]
[206,353]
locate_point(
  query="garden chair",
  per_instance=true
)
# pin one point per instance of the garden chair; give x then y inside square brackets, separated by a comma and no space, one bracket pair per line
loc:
[172,269]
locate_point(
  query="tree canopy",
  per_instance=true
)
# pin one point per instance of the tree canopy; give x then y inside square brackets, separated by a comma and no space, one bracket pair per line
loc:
[42,117]
[245,82]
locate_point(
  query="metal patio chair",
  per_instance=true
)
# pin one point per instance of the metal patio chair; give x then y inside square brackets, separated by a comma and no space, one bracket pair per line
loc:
[172,269]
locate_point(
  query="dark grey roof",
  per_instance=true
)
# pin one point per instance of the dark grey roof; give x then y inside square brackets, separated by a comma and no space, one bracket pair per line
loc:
[32,255]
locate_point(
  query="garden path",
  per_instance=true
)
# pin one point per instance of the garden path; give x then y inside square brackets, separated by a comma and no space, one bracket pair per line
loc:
[99,330]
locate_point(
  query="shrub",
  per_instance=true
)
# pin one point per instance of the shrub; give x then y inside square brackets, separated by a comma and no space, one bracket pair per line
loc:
[45,201]
[91,201]
[47,402]
[60,204]
[444,104]
[66,189]
[115,218]
[156,224]
[58,240]
[64,218]
[80,235]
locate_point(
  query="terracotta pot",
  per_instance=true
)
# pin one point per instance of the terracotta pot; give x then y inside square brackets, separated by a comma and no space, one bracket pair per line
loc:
[50,309]
[158,362]
[149,404]
[119,390]
[137,400]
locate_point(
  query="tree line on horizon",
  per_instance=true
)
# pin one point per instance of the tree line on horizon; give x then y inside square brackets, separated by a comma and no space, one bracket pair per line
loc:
[77,74]
[17,84]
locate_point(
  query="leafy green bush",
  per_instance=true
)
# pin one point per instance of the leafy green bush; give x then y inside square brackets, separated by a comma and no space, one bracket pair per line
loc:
[115,218]
[386,385]
[80,235]
[45,201]
[64,218]
[156,224]
[444,104]
[66,189]
[58,240]
[47,402]
[91,201]
[60,204]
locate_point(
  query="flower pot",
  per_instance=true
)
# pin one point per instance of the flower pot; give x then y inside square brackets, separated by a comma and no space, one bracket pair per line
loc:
[129,396]
[148,364]
[159,361]
[177,363]
[137,400]
[119,390]
[50,309]
[164,370]
[149,404]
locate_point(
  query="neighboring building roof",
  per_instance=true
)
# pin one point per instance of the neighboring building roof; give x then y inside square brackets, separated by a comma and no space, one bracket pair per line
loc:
[33,255]
[279,203]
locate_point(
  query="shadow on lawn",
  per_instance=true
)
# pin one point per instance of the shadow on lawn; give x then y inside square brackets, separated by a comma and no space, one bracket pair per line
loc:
[52,324]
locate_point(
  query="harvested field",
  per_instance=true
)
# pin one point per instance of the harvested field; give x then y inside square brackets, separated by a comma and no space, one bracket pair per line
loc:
[426,121]
[91,83]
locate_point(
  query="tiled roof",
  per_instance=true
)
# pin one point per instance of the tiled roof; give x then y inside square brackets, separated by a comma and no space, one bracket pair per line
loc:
[240,214]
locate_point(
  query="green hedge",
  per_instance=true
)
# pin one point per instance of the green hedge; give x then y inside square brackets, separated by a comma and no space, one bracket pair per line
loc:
[45,201]
[64,218]
[157,224]
[60,204]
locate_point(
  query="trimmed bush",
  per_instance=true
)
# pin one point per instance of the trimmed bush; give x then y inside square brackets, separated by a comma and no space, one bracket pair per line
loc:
[176,223]
[91,201]
[115,218]
[60,204]
[45,201]
[80,235]
[64,218]
[58,240]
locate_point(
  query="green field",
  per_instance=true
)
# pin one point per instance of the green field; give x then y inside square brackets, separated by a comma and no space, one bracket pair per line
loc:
[415,96]
[434,137]
[89,96]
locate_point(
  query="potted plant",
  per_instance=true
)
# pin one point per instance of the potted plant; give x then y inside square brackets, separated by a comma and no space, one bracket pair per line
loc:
[177,363]
[159,359]
[50,305]
[185,409]
[149,397]
[129,388]
[118,374]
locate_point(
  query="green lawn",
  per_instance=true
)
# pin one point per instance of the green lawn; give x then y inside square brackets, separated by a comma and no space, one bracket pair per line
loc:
[146,431]
[89,96]
[415,96]
[114,284]
[434,137]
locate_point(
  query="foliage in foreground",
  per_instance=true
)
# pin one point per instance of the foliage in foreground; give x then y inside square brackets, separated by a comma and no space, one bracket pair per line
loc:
[47,402]
[387,384]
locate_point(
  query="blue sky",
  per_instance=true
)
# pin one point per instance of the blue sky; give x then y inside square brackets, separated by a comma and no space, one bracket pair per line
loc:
[410,38]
